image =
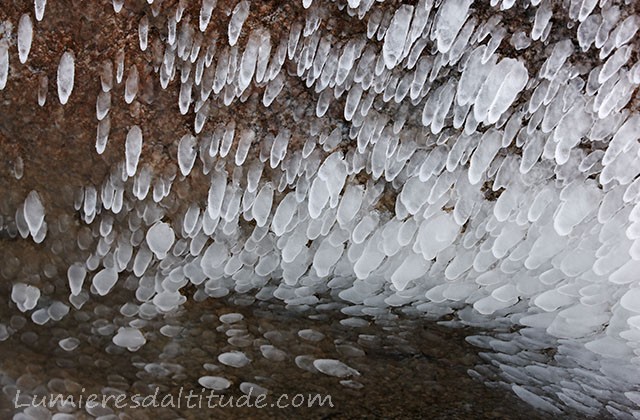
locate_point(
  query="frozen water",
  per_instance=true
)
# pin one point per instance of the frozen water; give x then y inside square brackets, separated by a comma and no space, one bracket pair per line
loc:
[231,318]
[143,32]
[279,148]
[103,104]
[238,16]
[413,267]
[248,61]
[25,296]
[577,203]
[205,13]
[246,139]
[160,238]
[253,390]
[311,335]
[284,214]
[104,280]
[4,63]
[76,275]
[216,195]
[450,18]
[25,37]
[486,150]
[499,90]
[334,368]
[66,76]
[33,212]
[631,300]
[396,36]
[236,359]
[133,148]
[131,84]
[272,353]
[217,383]
[262,205]
[130,338]
[187,150]
[39,6]
[69,344]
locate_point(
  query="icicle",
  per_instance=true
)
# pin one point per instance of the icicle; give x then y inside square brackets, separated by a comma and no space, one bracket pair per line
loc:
[238,16]
[499,90]
[205,13]
[117,5]
[119,66]
[273,89]
[43,88]
[76,275]
[246,138]
[248,62]
[106,76]
[103,104]
[264,52]
[451,16]
[227,138]
[396,36]
[216,194]
[102,135]
[39,6]
[25,37]
[133,148]
[185,99]
[489,145]
[131,85]
[279,148]
[33,212]
[4,63]
[160,238]
[143,32]
[66,74]
[187,150]
[262,205]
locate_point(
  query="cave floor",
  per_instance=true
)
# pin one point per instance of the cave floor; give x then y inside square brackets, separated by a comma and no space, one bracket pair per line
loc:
[406,368]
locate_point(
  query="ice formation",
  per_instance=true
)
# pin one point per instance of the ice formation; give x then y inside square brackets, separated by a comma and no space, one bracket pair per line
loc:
[131,338]
[214,382]
[66,75]
[4,63]
[25,37]
[334,368]
[429,160]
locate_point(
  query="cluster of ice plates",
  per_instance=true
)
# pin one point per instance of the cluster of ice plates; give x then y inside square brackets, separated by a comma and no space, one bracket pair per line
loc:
[447,165]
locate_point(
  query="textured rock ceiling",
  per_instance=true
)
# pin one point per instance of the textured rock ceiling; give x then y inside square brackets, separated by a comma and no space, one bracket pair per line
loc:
[472,163]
